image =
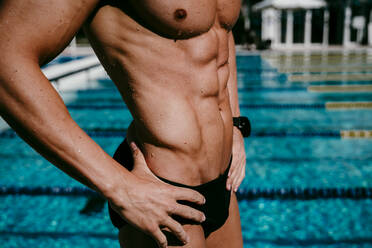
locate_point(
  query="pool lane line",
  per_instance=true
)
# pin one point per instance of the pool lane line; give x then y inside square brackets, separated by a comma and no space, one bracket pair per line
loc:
[247,106]
[10,134]
[247,89]
[330,77]
[297,160]
[325,68]
[295,193]
[344,134]
[367,88]
[348,105]
[324,134]
[316,55]
[256,70]
[283,106]
[276,242]
[251,159]
[241,87]
[244,87]
[325,59]
[356,134]
[56,235]
[308,63]
[364,88]
[330,82]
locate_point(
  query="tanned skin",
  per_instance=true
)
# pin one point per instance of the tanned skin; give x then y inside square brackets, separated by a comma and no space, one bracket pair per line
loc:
[174,65]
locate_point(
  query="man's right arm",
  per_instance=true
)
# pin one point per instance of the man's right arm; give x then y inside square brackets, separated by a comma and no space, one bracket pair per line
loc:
[33,32]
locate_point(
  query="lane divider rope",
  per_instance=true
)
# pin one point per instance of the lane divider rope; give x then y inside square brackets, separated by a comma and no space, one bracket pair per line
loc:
[10,134]
[327,105]
[345,134]
[367,88]
[242,194]
[250,106]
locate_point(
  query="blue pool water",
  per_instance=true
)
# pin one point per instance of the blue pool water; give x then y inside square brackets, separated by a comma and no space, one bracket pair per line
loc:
[287,150]
[63,59]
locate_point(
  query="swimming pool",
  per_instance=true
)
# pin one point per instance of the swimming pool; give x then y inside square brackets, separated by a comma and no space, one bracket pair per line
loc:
[299,142]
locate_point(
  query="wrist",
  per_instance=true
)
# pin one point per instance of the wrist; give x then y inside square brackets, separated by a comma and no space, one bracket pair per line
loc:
[237,134]
[236,130]
[113,186]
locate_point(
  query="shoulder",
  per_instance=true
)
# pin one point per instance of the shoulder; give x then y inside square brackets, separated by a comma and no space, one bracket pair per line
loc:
[41,28]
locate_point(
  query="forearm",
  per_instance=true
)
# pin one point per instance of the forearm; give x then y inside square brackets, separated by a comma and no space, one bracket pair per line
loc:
[232,82]
[237,170]
[36,112]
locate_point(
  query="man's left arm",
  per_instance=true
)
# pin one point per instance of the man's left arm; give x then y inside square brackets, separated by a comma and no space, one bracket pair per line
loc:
[237,170]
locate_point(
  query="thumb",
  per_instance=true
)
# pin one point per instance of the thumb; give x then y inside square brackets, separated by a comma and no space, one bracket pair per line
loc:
[137,154]
[139,165]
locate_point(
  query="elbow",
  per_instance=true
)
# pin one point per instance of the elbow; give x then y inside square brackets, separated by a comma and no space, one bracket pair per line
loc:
[16,57]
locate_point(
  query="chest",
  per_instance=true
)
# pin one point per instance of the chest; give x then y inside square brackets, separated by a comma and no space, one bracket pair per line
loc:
[227,12]
[185,18]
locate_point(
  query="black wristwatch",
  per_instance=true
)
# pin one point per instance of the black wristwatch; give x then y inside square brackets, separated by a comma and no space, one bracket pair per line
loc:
[243,124]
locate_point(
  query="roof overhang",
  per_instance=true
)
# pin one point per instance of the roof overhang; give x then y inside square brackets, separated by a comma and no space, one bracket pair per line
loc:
[289,4]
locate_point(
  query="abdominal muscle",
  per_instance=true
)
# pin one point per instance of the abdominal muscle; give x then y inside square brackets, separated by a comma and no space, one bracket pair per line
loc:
[176,92]
[186,139]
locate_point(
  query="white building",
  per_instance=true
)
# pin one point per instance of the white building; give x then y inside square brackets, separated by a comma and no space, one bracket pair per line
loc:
[279,25]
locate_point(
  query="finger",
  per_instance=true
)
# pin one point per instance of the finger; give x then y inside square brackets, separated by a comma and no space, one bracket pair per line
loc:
[177,230]
[234,174]
[140,165]
[231,168]
[188,195]
[136,153]
[188,213]
[239,179]
[228,183]
[229,179]
[160,238]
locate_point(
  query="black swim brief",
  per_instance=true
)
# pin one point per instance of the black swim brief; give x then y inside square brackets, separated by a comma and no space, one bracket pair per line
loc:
[215,209]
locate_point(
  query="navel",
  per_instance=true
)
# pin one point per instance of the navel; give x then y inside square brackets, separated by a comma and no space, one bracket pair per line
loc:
[180,14]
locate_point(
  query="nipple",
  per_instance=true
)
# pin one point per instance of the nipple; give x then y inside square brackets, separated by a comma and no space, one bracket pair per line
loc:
[180,14]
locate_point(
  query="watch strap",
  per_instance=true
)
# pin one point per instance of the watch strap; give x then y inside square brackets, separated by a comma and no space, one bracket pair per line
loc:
[243,124]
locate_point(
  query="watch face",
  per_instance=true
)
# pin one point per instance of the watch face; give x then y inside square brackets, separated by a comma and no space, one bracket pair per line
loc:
[245,126]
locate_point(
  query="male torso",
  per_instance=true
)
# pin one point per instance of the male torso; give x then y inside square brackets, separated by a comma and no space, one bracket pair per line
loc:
[169,59]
